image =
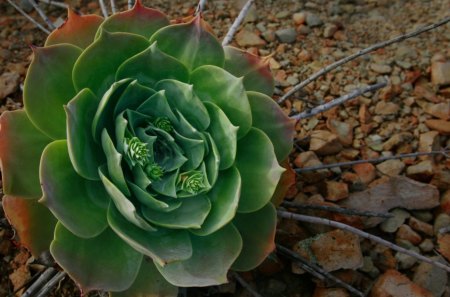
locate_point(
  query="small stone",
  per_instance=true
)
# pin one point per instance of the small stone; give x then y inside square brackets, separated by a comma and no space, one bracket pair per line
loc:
[391,167]
[364,114]
[330,292]
[422,171]
[429,141]
[444,245]
[426,245]
[366,172]
[20,277]
[324,142]
[442,220]
[396,140]
[313,20]
[443,127]
[288,35]
[394,284]
[392,224]
[386,108]
[381,69]
[335,191]
[438,110]
[247,38]
[9,82]
[275,287]
[445,202]
[405,261]
[304,56]
[420,226]
[329,30]
[405,232]
[440,73]
[299,18]
[343,130]
[431,277]
[310,159]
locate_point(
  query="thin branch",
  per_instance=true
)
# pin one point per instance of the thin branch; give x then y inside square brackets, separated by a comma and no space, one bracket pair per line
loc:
[345,211]
[40,282]
[246,285]
[51,283]
[237,22]
[338,101]
[103,8]
[362,52]
[334,224]
[55,3]
[443,152]
[320,270]
[130,4]
[28,17]
[200,7]
[42,14]
[113,6]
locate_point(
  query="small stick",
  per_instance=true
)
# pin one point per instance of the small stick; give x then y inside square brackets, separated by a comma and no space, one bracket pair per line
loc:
[361,53]
[334,224]
[246,285]
[299,259]
[51,283]
[113,6]
[55,3]
[200,7]
[130,4]
[103,8]
[28,17]
[338,101]
[345,211]
[42,14]
[40,282]
[237,23]
[376,160]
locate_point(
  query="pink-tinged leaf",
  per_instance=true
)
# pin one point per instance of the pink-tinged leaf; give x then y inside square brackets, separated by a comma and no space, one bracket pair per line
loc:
[191,44]
[149,283]
[33,222]
[138,20]
[49,86]
[254,69]
[104,262]
[287,180]
[21,146]
[78,30]
[269,117]
[258,240]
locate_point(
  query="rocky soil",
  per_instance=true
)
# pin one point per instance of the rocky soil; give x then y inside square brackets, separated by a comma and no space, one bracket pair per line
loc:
[411,115]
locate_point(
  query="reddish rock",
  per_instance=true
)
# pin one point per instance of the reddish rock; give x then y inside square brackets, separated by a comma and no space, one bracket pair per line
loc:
[443,127]
[428,142]
[364,114]
[391,167]
[247,38]
[440,72]
[324,142]
[335,191]
[310,159]
[394,284]
[420,226]
[445,202]
[366,172]
[330,292]
[444,245]
[386,108]
[406,233]
[343,130]
[422,171]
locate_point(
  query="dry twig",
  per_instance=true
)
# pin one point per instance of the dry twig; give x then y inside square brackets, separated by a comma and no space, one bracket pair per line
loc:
[42,14]
[246,285]
[200,7]
[40,282]
[338,101]
[334,224]
[55,3]
[113,6]
[130,4]
[237,23]
[28,17]
[103,8]
[51,283]
[359,54]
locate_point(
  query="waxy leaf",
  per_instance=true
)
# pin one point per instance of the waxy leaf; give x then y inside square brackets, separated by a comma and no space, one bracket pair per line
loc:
[149,283]
[66,193]
[21,146]
[259,169]
[257,229]
[214,84]
[164,246]
[78,30]
[104,262]
[269,117]
[22,214]
[133,96]
[86,154]
[44,98]
[211,259]
[191,44]
[92,72]
[146,199]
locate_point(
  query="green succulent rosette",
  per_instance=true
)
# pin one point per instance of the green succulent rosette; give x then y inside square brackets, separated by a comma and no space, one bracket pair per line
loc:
[146,156]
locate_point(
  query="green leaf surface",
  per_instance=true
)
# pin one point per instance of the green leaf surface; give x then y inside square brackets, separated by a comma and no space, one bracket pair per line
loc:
[259,169]
[149,283]
[191,214]
[163,246]
[32,221]
[212,161]
[224,198]
[44,98]
[194,150]
[86,155]
[133,96]
[146,199]
[66,193]
[104,262]
[123,204]
[97,66]
[254,69]
[182,98]
[138,20]
[257,230]
[151,66]
[157,106]
[268,117]
[21,146]
[78,30]
[210,262]
[224,133]
[216,85]
[194,45]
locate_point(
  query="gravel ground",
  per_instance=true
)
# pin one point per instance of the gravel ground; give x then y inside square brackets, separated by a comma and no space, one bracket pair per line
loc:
[412,114]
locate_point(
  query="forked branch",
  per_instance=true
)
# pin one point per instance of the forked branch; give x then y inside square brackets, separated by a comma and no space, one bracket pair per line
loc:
[237,22]
[36,23]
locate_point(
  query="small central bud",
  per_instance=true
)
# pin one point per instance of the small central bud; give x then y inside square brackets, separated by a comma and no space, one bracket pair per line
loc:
[163,123]
[193,182]
[136,151]
[154,171]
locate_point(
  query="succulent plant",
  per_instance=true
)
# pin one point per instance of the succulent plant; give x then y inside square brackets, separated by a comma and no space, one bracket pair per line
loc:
[146,156]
